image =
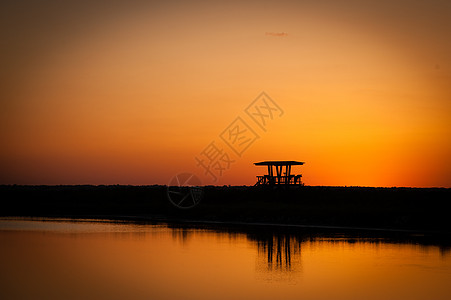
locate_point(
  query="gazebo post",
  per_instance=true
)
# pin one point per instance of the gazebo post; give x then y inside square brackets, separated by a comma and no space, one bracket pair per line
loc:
[279,171]
[269,174]
[287,173]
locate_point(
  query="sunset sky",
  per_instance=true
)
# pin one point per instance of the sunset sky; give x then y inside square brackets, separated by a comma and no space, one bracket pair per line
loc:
[131,92]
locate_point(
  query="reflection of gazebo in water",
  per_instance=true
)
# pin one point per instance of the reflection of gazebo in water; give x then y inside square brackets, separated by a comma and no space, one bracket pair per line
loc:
[283,173]
[279,256]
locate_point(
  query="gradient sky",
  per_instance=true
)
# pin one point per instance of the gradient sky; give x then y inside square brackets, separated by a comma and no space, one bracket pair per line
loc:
[130,92]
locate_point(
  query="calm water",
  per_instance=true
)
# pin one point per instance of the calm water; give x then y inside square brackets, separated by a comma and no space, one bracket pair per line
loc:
[44,259]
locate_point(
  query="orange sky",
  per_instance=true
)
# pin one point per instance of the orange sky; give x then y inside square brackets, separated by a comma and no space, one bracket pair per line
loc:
[99,92]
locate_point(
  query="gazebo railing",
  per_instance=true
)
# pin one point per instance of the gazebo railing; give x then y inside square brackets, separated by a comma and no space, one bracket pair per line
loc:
[271,180]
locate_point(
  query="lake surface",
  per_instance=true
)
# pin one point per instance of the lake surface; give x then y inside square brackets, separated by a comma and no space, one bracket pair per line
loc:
[95,259]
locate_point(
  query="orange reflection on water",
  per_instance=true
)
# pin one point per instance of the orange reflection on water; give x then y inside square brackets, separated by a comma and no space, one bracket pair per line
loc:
[107,261]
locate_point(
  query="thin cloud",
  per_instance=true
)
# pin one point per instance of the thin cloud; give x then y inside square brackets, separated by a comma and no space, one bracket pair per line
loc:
[277,34]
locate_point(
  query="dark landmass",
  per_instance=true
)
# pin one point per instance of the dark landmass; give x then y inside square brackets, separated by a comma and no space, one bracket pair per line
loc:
[418,209]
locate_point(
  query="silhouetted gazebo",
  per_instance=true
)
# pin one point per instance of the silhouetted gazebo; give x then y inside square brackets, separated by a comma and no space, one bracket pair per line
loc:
[283,173]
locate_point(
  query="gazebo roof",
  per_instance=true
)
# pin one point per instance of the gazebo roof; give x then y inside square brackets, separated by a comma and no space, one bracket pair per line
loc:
[278,163]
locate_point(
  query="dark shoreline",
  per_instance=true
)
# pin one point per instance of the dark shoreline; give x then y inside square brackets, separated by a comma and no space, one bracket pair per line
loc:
[389,209]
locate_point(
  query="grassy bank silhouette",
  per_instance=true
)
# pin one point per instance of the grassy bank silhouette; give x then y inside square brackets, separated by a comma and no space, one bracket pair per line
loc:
[391,208]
